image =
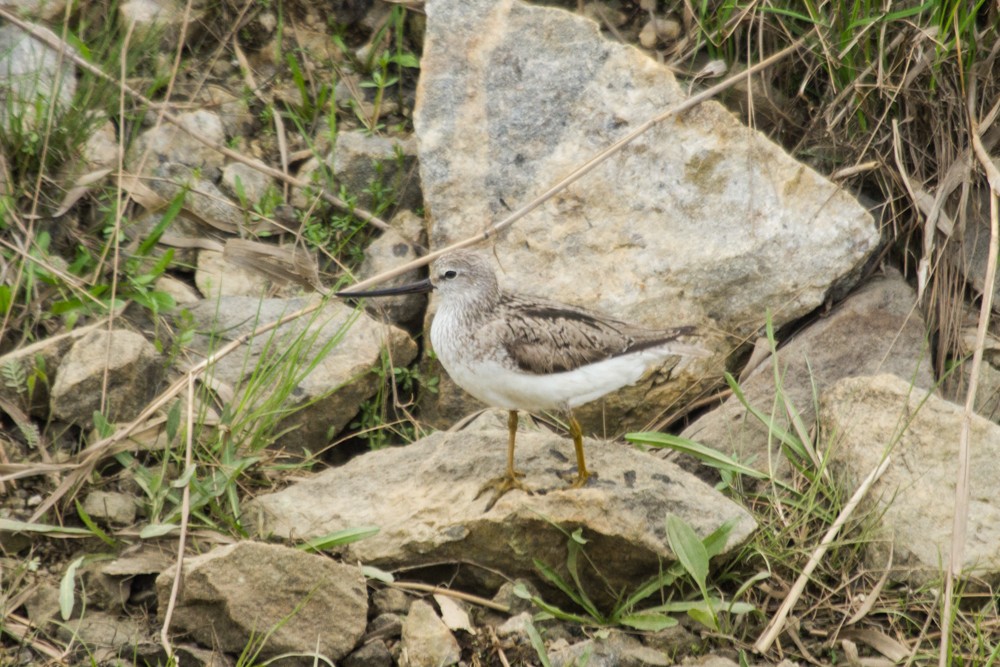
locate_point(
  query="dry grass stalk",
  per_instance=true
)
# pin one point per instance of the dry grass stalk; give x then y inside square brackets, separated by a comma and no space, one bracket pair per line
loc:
[962,492]
[777,624]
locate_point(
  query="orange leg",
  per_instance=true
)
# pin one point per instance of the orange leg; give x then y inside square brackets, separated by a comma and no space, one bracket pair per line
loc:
[581,464]
[512,474]
[509,481]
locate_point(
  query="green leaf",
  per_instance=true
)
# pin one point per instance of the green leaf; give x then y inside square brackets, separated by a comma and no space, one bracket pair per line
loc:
[572,552]
[690,551]
[405,60]
[521,591]
[648,622]
[716,541]
[168,217]
[537,644]
[157,530]
[657,583]
[338,538]
[103,426]
[738,608]
[67,588]
[173,421]
[705,617]
[185,477]
[94,528]
[707,455]
[6,299]
[557,580]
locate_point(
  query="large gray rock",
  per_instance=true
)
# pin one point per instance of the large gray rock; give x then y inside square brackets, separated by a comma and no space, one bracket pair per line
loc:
[133,370]
[877,330]
[700,220]
[236,595]
[425,498]
[332,386]
[865,418]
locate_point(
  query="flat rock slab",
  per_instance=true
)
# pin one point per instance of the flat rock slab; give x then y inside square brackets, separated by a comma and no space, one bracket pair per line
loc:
[423,497]
[241,594]
[863,418]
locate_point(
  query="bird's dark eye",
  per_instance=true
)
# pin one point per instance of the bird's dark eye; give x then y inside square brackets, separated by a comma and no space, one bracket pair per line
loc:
[450,274]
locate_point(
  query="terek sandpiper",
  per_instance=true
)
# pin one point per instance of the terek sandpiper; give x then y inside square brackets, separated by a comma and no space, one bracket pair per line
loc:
[524,353]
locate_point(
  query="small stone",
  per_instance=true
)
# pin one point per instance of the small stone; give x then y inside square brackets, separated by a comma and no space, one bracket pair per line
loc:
[43,604]
[446,516]
[428,642]
[372,654]
[667,29]
[346,365]
[110,508]
[647,36]
[454,613]
[204,200]
[132,365]
[102,147]
[391,600]
[386,626]
[867,419]
[361,161]
[181,292]
[169,143]
[659,30]
[238,177]
[153,18]
[515,626]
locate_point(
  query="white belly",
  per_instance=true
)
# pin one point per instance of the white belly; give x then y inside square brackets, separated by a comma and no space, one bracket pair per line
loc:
[489,375]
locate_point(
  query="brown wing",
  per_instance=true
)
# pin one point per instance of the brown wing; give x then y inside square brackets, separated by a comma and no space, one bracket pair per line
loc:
[549,337]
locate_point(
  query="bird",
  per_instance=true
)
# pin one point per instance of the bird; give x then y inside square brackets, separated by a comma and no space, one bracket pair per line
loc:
[526,353]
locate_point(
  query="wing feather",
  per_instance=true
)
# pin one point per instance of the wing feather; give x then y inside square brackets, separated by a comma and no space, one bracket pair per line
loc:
[550,337]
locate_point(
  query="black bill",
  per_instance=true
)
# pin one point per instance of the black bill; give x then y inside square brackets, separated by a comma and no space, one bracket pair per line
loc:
[410,288]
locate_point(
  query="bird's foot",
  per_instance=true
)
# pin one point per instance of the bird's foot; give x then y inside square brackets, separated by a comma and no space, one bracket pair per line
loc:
[501,485]
[579,480]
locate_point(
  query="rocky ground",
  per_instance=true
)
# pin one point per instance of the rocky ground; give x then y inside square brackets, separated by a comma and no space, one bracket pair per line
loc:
[202,459]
